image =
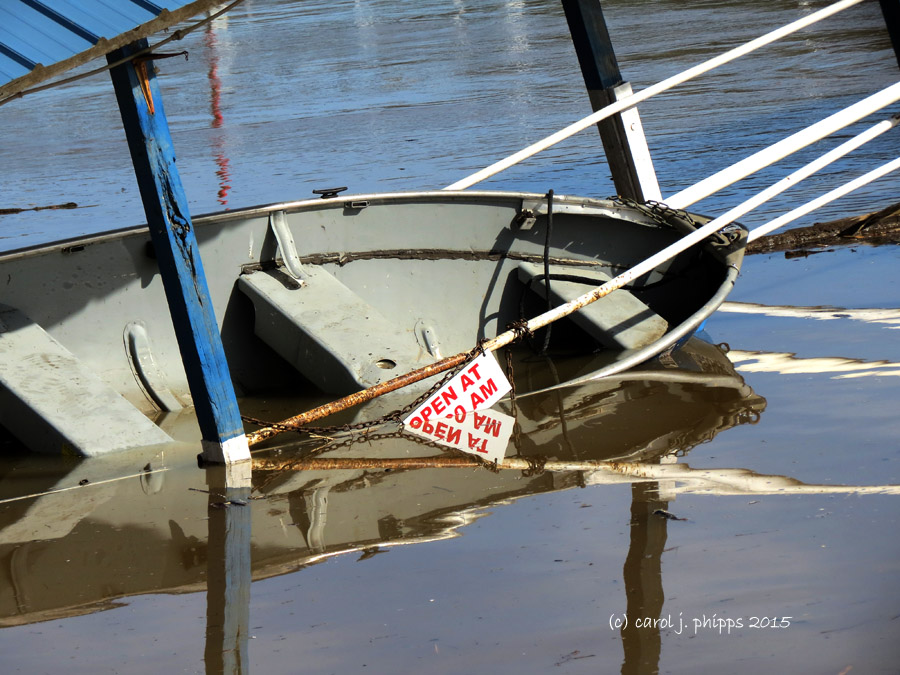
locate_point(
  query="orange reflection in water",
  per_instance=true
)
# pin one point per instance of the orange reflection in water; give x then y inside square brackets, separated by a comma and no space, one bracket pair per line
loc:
[222,172]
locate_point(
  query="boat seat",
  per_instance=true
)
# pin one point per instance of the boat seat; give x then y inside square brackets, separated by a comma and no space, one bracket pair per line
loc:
[328,333]
[617,321]
[53,402]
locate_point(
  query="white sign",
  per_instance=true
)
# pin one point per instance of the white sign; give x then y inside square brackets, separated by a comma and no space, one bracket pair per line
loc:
[447,414]
[484,433]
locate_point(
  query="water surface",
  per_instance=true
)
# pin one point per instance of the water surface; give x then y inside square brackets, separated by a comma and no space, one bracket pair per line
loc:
[508,572]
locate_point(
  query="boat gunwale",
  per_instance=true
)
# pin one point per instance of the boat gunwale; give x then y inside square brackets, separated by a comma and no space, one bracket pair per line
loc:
[592,206]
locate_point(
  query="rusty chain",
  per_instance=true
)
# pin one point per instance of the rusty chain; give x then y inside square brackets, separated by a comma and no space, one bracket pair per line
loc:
[658,211]
[395,416]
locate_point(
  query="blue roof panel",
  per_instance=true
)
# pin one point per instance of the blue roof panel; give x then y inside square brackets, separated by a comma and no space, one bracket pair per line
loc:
[111,19]
[63,34]
[10,69]
[38,40]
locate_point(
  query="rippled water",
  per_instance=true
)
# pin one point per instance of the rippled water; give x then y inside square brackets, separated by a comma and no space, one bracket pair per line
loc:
[285,97]
[379,96]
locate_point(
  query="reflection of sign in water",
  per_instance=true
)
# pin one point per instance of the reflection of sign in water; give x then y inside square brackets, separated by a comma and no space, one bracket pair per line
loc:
[449,415]
[485,433]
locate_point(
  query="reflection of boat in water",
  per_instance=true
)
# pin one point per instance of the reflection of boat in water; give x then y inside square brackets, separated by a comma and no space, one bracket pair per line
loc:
[147,532]
[643,414]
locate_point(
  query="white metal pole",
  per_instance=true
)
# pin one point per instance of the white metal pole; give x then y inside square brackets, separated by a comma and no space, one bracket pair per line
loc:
[652,90]
[785,147]
[825,199]
[807,170]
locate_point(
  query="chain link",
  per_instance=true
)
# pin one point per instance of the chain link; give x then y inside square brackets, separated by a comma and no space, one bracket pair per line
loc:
[658,211]
[663,214]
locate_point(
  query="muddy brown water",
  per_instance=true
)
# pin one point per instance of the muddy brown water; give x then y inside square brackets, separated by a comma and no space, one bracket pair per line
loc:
[783,555]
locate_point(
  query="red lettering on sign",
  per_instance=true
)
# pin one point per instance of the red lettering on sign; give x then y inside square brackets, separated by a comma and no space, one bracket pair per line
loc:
[474,371]
[453,435]
[488,389]
[426,413]
[440,429]
[474,442]
[493,428]
[449,395]
[459,414]
[476,400]
[438,405]
[427,427]
[415,422]
[466,382]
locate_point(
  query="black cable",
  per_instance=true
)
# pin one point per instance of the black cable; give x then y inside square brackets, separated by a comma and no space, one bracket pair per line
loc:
[547,267]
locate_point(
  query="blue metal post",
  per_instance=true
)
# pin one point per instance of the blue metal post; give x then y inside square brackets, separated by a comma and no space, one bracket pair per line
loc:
[178,256]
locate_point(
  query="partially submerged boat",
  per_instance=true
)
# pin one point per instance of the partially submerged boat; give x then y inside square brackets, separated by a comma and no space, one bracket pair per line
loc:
[334,295]
[337,294]
[326,296]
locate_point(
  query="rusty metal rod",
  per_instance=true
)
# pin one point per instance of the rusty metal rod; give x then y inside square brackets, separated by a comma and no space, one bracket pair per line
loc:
[333,463]
[435,462]
[351,400]
[696,481]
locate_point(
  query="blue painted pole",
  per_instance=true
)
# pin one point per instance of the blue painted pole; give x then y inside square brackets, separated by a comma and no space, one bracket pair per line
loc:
[178,256]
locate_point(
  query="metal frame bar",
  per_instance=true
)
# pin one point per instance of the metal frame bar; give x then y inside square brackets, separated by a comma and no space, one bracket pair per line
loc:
[785,147]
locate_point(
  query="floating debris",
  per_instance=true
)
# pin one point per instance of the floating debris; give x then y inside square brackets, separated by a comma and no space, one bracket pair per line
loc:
[879,227]
[667,515]
[12,211]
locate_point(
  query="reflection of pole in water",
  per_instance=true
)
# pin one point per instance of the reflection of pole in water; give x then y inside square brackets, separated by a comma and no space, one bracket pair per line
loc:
[643,580]
[215,87]
[228,573]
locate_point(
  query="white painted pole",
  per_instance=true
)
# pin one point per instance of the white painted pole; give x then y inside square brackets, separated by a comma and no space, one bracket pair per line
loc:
[800,211]
[785,147]
[652,90]
[807,170]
